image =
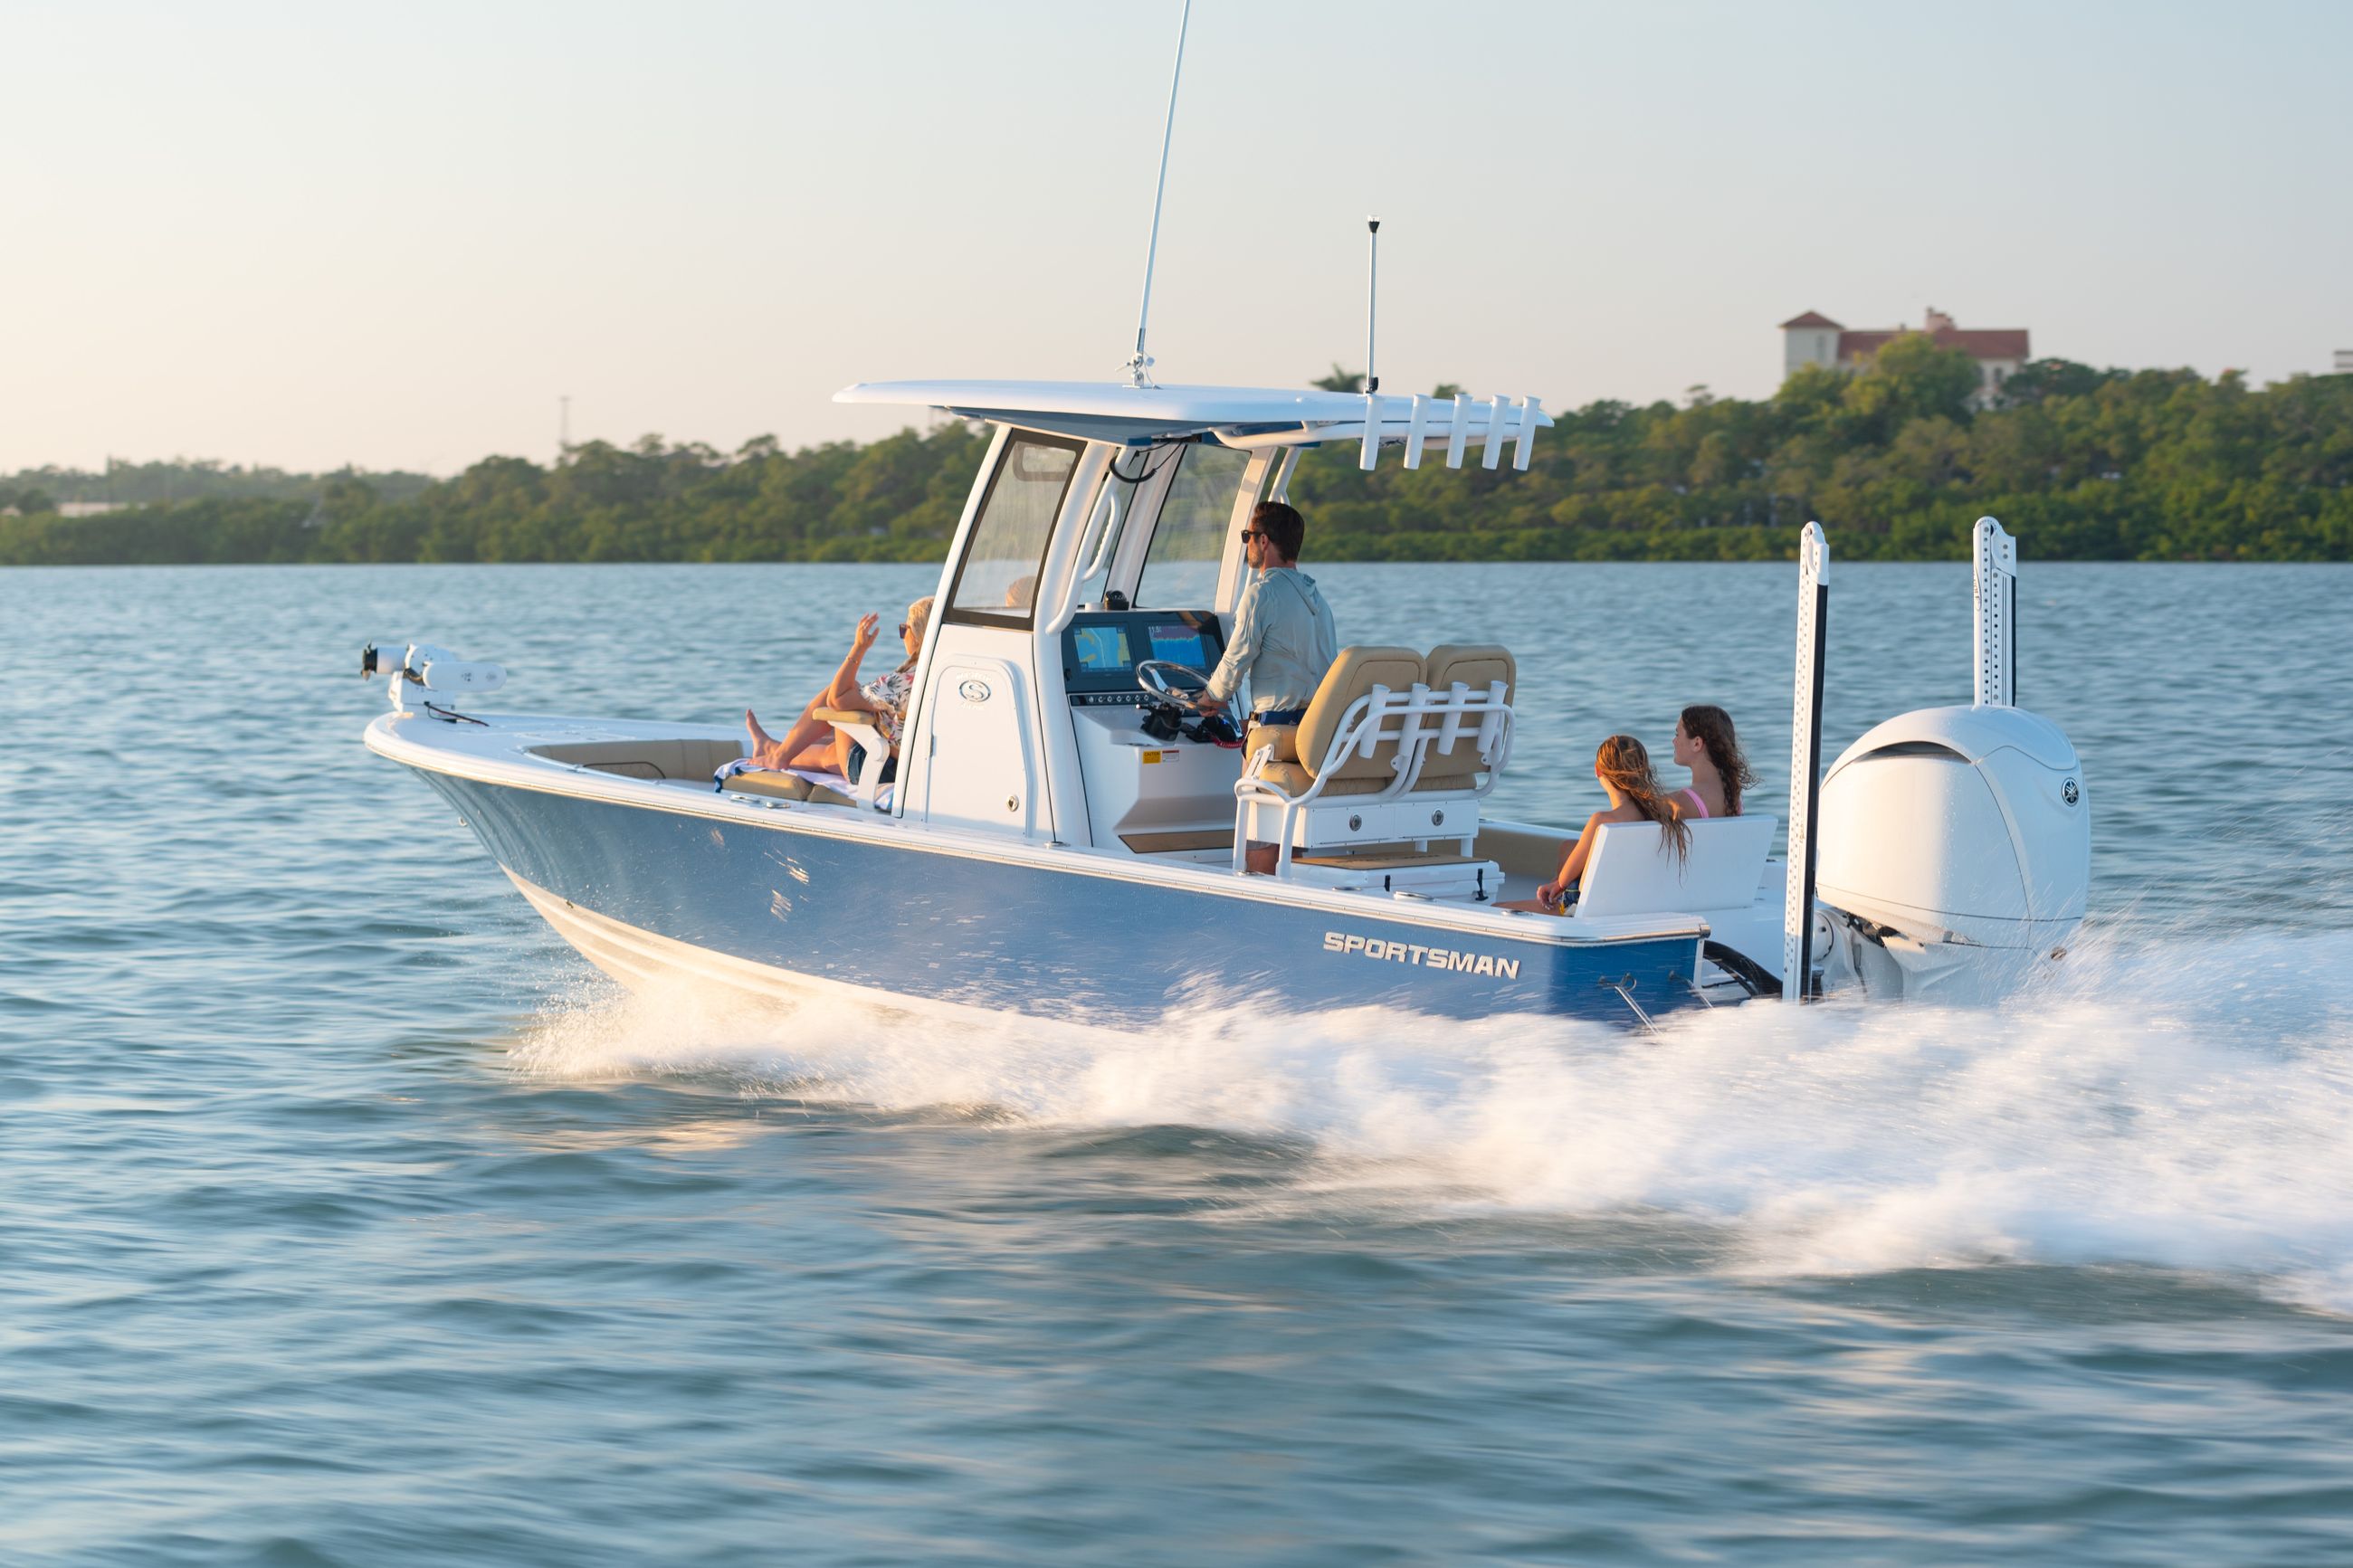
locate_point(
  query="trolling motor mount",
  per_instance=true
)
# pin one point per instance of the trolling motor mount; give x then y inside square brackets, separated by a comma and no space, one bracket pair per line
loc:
[430,680]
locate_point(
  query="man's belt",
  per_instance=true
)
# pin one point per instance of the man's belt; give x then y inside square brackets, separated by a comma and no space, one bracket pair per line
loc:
[1280,716]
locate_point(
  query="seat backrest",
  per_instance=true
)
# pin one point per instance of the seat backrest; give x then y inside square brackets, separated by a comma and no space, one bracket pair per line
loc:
[1354,674]
[1631,873]
[1477,666]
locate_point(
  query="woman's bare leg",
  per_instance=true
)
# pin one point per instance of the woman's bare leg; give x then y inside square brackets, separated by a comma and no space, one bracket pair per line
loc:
[772,752]
[804,734]
[822,756]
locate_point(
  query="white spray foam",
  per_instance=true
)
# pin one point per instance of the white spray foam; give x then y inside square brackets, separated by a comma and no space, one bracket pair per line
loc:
[2168,1106]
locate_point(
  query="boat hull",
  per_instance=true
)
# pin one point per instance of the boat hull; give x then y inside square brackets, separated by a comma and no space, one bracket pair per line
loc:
[644,891]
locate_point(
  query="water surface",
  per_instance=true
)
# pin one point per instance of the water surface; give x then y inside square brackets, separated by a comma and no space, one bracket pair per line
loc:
[347,1217]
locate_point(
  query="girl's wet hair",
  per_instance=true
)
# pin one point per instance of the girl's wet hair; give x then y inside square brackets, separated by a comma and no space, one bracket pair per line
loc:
[1625,767]
[1712,727]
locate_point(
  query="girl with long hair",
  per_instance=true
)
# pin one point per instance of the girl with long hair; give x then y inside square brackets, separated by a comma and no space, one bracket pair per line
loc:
[1705,744]
[1623,769]
[813,743]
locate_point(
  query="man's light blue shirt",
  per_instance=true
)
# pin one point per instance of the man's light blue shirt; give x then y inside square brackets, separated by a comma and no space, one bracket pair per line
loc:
[1283,640]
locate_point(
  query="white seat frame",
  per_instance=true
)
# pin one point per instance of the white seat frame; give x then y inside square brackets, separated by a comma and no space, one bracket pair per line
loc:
[868,787]
[1421,723]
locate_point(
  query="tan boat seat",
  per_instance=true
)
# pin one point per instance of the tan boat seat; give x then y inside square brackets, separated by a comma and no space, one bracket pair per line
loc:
[1353,674]
[1477,666]
[775,786]
[1280,739]
[663,757]
[1441,722]
[1294,778]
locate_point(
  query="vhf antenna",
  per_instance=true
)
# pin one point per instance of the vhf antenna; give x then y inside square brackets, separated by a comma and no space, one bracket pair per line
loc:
[1372,297]
[1139,365]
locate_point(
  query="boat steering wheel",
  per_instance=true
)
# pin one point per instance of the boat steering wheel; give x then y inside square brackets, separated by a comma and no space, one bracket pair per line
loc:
[1179,683]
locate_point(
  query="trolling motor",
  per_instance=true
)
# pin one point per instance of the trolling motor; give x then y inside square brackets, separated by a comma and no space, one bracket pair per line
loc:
[430,680]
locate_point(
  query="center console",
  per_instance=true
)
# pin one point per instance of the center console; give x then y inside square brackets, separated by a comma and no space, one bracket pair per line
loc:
[1154,796]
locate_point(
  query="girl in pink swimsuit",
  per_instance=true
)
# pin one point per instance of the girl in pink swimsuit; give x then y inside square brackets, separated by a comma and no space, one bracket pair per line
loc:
[1705,744]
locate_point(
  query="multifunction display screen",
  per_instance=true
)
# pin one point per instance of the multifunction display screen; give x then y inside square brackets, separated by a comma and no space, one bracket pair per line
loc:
[1180,644]
[1101,649]
[1104,648]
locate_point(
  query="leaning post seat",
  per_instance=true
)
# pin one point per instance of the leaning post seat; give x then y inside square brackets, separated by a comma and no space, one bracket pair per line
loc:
[1355,778]
[1468,736]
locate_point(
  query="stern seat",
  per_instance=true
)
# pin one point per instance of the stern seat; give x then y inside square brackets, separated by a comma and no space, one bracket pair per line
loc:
[1633,871]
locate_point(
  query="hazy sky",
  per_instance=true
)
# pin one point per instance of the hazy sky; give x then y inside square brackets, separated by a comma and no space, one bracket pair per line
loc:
[394,234]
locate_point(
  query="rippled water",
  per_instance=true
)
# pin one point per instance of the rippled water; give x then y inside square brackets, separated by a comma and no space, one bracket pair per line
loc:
[346,1217]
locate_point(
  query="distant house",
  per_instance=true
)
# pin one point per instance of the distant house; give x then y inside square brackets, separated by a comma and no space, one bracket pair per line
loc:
[89,508]
[2344,361]
[1814,339]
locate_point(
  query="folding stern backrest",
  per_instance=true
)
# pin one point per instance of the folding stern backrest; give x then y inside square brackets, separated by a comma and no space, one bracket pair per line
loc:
[1631,872]
[1476,667]
[1354,674]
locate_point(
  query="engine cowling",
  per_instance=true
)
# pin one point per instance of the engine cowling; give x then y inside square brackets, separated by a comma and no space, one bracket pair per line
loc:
[1956,844]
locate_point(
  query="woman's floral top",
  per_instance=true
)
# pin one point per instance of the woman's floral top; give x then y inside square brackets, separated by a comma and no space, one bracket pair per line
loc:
[888,695]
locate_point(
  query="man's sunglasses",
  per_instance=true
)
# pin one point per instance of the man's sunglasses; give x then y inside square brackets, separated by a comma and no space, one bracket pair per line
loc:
[1250,533]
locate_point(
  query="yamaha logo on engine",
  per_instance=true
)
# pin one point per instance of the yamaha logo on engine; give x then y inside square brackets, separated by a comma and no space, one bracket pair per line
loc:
[2070,792]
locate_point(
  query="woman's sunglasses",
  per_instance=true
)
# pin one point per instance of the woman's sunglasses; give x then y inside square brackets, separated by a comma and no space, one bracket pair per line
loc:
[903,625]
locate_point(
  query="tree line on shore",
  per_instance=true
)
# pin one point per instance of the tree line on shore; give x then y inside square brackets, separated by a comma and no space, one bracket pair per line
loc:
[2087,464]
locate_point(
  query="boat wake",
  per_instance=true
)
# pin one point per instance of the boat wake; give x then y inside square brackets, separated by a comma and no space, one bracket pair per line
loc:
[2186,1107]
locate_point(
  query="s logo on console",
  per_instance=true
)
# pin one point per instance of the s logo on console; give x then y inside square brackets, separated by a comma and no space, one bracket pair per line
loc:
[974,691]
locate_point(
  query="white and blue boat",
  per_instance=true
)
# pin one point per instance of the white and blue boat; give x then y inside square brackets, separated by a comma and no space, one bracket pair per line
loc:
[1057,842]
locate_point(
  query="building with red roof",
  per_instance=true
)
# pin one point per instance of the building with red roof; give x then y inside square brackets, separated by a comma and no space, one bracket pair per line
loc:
[1814,339]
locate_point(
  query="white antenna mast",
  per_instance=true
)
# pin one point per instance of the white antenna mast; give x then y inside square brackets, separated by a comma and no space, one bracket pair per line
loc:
[1139,365]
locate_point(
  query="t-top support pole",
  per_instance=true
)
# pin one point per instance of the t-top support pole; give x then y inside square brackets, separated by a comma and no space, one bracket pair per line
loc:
[1805,763]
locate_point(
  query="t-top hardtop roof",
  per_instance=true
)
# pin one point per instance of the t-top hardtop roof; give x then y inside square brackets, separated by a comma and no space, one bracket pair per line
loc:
[1237,416]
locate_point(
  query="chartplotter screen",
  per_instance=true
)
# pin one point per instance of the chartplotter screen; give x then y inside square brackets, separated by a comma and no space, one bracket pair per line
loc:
[1101,647]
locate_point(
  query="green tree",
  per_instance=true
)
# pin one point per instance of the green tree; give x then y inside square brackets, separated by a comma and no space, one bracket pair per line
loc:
[1912,378]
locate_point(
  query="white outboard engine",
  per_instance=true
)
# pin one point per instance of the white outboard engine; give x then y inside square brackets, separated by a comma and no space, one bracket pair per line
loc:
[431,680]
[1955,843]
[1956,851]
